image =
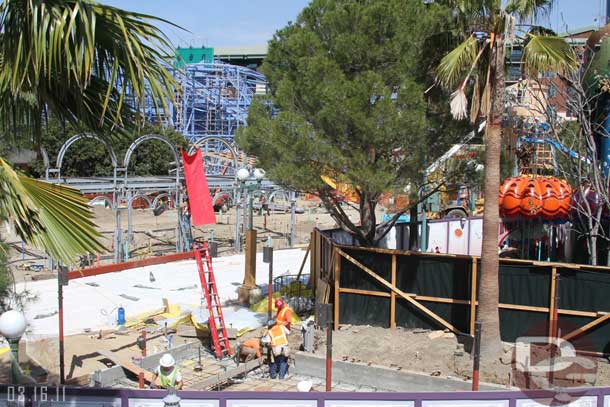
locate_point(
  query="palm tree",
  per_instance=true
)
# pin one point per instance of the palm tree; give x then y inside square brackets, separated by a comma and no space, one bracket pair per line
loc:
[478,63]
[82,62]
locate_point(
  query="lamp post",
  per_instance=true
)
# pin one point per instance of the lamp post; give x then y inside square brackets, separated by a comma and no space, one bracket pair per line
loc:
[268,258]
[12,326]
[172,399]
[250,182]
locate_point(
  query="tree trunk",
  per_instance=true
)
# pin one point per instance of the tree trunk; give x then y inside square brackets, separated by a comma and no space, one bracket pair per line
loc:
[593,250]
[593,244]
[368,220]
[489,290]
[413,229]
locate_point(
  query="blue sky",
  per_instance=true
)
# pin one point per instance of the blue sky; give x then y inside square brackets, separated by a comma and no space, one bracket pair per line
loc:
[576,14]
[248,22]
[219,23]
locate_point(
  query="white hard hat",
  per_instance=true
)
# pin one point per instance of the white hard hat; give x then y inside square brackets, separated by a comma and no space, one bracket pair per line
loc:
[304,386]
[167,360]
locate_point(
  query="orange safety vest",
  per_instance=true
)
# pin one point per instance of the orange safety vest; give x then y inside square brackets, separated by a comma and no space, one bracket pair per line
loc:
[278,336]
[254,344]
[284,315]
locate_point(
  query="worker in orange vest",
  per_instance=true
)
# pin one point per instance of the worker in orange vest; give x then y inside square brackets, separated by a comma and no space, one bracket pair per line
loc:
[250,349]
[277,338]
[284,313]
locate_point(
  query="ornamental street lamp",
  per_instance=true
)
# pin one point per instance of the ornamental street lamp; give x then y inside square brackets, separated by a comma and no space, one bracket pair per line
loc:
[12,327]
[171,399]
[250,182]
[243,175]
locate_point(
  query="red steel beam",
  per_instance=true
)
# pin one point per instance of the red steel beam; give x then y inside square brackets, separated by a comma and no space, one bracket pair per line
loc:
[113,268]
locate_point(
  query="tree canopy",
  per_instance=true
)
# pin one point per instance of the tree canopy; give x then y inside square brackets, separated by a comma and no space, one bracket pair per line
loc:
[348,101]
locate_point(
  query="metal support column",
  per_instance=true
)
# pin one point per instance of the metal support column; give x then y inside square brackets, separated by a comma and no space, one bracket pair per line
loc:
[237,242]
[293,217]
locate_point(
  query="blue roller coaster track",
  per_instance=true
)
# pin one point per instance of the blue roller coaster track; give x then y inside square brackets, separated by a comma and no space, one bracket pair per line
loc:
[213,104]
[214,101]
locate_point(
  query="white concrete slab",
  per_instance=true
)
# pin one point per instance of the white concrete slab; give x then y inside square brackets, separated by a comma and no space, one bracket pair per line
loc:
[96,307]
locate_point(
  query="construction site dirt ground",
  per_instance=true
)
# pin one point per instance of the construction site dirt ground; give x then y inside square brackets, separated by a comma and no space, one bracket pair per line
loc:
[436,353]
[156,235]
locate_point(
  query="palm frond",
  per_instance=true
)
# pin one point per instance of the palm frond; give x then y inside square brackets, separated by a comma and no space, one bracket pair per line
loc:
[486,100]
[454,66]
[548,53]
[58,48]
[529,9]
[53,218]
[475,104]
[459,104]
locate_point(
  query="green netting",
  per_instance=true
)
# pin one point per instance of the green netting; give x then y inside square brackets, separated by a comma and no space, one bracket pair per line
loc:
[585,291]
[359,309]
[449,277]
[525,285]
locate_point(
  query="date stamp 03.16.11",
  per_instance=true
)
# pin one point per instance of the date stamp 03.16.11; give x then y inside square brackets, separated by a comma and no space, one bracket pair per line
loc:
[35,393]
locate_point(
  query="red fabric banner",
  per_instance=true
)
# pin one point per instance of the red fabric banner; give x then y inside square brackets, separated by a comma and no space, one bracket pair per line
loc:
[200,201]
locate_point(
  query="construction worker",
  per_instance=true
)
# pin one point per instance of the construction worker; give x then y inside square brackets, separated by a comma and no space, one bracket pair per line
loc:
[277,338]
[250,349]
[284,313]
[167,375]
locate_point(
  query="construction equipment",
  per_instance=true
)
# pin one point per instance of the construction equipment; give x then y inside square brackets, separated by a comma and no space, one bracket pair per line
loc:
[216,322]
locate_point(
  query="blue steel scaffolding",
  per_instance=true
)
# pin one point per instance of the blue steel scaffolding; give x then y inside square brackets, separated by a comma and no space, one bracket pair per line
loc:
[213,104]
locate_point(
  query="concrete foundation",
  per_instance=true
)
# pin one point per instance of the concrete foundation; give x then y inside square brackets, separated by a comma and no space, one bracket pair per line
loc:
[111,376]
[249,295]
[379,377]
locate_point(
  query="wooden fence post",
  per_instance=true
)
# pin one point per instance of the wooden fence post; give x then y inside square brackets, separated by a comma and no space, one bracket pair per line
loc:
[473,295]
[552,321]
[393,295]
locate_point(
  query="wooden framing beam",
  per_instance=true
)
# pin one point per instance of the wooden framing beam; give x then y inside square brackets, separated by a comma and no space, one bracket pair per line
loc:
[523,307]
[585,328]
[443,300]
[364,292]
[552,321]
[473,295]
[440,299]
[303,262]
[397,291]
[393,295]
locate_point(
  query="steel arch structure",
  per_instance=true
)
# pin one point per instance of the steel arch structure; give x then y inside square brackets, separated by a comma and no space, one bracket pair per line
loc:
[64,149]
[125,189]
[220,156]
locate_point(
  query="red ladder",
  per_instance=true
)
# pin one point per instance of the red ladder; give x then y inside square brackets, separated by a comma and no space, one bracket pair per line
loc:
[222,347]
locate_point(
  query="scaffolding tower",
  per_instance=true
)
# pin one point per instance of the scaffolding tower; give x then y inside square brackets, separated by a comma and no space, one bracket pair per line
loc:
[214,101]
[213,104]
